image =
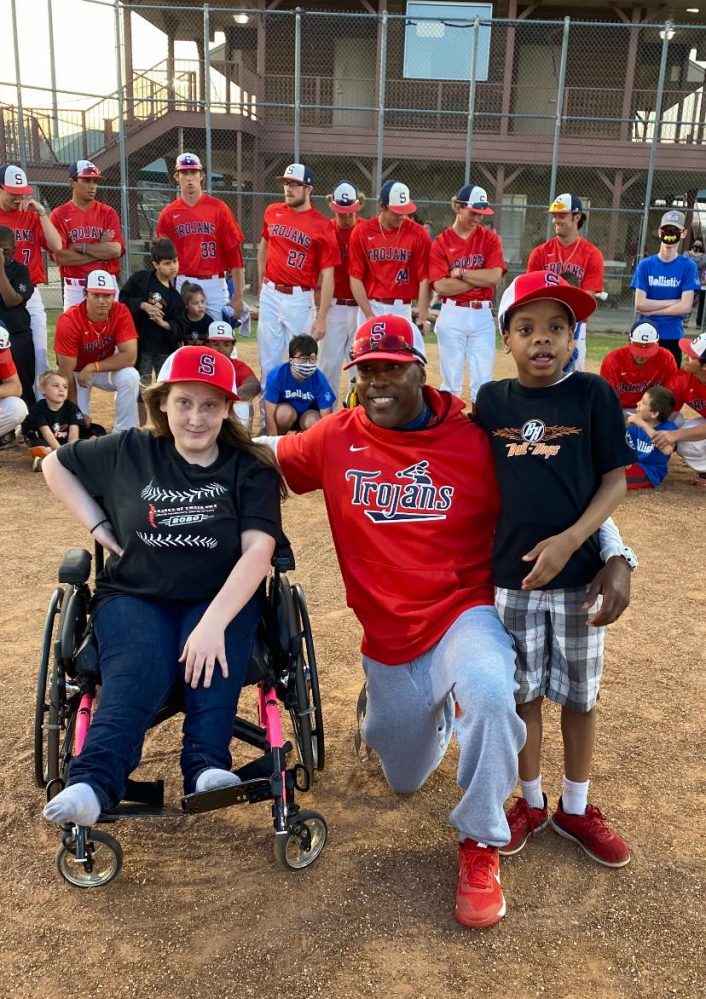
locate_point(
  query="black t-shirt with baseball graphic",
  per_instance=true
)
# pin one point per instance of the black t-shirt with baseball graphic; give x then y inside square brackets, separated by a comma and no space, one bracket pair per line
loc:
[551,448]
[58,420]
[179,524]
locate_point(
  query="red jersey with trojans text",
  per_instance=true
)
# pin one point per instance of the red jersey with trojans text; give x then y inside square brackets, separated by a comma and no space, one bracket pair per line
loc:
[341,278]
[582,261]
[87,225]
[78,336]
[207,237]
[389,262]
[689,391]
[412,515]
[481,249]
[299,245]
[29,242]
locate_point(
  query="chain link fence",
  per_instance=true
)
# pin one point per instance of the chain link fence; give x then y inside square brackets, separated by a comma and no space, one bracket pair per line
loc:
[613,112]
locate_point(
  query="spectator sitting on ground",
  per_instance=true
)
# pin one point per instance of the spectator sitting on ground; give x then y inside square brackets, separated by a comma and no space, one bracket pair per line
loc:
[296,394]
[96,347]
[12,409]
[197,320]
[52,421]
[651,460]
[220,338]
[642,363]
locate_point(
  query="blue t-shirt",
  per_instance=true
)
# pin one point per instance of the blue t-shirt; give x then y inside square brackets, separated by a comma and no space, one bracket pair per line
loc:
[311,393]
[651,460]
[662,281]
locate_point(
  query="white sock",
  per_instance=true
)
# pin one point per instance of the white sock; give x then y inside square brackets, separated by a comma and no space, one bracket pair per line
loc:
[532,792]
[574,796]
[77,803]
[213,778]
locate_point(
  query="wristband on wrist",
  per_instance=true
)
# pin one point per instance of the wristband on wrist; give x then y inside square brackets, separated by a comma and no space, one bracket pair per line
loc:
[106,520]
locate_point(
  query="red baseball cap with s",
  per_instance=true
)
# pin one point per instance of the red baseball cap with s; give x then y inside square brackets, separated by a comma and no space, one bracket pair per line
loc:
[385,338]
[199,364]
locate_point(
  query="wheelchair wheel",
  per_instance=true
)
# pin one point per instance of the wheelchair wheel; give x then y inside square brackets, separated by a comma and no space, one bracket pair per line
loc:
[41,708]
[311,682]
[104,863]
[304,844]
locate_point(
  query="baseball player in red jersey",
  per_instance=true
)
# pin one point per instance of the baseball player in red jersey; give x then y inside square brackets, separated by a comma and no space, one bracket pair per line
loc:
[207,237]
[96,347]
[465,264]
[571,255]
[298,250]
[633,369]
[342,319]
[91,233]
[34,231]
[389,260]
[12,410]
[689,388]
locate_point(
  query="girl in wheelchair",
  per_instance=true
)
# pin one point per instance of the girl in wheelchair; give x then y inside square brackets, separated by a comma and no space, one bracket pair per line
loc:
[190,512]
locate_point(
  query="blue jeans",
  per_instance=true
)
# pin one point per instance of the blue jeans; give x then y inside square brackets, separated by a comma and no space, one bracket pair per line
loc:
[139,643]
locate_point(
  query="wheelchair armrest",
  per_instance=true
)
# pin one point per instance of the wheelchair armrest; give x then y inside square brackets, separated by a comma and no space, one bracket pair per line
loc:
[283,556]
[75,567]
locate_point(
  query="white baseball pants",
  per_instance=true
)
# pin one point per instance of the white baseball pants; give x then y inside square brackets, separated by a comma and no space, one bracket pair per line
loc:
[694,452]
[125,383]
[12,412]
[281,318]
[38,322]
[341,324]
[215,292]
[466,336]
[75,291]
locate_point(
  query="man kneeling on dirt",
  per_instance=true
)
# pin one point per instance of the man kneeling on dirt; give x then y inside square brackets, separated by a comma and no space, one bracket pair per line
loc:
[412,502]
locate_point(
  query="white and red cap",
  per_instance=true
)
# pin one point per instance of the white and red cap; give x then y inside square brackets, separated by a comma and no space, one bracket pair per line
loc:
[545,284]
[385,338]
[199,364]
[300,172]
[395,196]
[188,161]
[345,199]
[100,283]
[475,198]
[4,337]
[220,330]
[84,168]
[644,338]
[14,180]
[695,348]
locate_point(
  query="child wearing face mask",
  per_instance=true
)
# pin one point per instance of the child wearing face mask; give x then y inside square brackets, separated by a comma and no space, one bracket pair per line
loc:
[297,395]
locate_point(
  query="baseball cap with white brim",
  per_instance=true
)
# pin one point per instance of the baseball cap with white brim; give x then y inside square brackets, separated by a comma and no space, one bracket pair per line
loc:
[100,282]
[395,196]
[538,285]
[14,180]
[199,364]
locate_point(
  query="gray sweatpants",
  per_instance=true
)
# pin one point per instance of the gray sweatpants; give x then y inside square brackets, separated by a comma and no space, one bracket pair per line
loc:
[410,718]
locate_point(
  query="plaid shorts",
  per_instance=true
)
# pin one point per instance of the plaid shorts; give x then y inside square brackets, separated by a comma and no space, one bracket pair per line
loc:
[558,655]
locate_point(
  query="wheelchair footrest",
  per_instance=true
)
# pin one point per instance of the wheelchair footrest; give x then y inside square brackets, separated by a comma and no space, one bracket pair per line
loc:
[146,792]
[250,791]
[139,810]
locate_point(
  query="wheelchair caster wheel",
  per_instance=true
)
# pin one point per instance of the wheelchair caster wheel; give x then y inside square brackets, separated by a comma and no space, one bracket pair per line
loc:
[103,863]
[305,842]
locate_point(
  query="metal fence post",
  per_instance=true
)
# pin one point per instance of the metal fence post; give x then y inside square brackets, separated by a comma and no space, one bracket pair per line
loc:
[471,102]
[21,137]
[382,73]
[122,146]
[655,140]
[297,83]
[207,95]
[52,65]
[559,116]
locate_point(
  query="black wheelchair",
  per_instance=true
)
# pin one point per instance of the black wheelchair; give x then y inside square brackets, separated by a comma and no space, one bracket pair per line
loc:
[283,666]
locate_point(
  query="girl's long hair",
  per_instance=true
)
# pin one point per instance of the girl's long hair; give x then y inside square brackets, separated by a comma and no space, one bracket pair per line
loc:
[231,434]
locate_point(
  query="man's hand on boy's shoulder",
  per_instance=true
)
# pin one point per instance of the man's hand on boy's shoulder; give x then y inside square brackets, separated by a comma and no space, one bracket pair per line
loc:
[612,582]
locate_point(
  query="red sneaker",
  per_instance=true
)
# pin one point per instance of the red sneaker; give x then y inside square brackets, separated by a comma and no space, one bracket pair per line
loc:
[524,821]
[593,835]
[479,898]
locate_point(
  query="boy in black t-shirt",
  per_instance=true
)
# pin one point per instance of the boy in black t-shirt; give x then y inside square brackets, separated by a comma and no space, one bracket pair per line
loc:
[52,421]
[158,311]
[16,289]
[560,453]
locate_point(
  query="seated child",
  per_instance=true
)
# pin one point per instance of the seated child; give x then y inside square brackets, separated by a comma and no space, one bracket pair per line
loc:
[297,394]
[652,460]
[197,320]
[158,311]
[52,421]
[220,338]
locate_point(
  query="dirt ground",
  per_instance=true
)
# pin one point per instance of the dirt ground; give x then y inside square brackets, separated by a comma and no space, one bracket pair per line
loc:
[201,908]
